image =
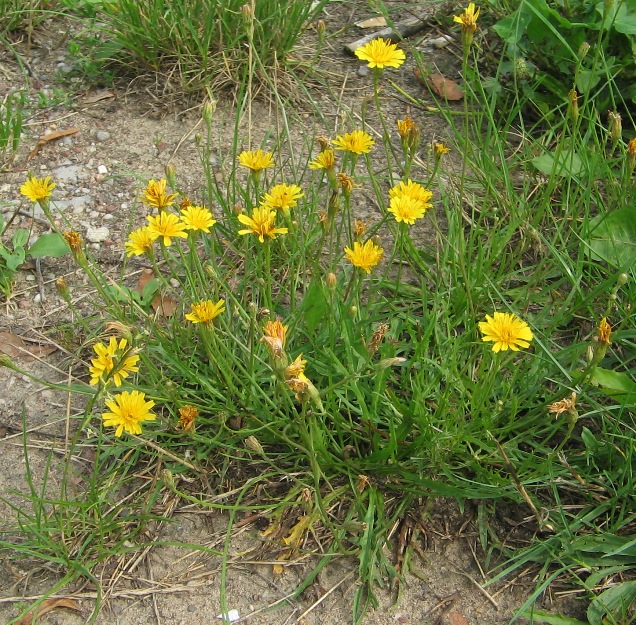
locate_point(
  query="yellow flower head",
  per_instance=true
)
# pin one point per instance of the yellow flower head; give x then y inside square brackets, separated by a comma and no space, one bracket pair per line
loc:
[406,127]
[507,331]
[364,256]
[346,182]
[197,218]
[325,160]
[73,239]
[296,371]
[359,228]
[128,410]
[604,332]
[440,149]
[140,241]
[412,190]
[564,405]
[204,312]
[357,142]
[155,194]
[166,225]
[283,196]
[261,223]
[274,337]
[113,361]
[631,148]
[381,53]
[406,209]
[37,189]
[468,19]
[256,160]
[187,417]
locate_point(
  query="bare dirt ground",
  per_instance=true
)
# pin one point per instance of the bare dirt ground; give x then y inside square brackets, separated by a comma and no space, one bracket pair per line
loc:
[124,137]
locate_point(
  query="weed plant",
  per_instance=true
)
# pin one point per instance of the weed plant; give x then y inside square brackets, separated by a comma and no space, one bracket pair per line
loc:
[355,372]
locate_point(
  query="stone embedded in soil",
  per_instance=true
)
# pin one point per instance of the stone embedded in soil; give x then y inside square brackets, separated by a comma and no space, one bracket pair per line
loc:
[102,135]
[68,173]
[97,234]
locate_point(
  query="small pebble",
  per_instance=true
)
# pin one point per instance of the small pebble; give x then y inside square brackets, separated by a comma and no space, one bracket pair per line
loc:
[38,298]
[102,135]
[108,216]
[363,71]
[93,214]
[174,282]
[43,167]
[30,278]
[102,169]
[97,234]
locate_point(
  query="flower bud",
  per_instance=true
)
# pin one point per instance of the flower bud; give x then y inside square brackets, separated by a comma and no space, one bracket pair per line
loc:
[584,48]
[247,12]
[615,127]
[252,443]
[622,279]
[208,111]
[62,289]
[331,280]
[573,106]
[171,175]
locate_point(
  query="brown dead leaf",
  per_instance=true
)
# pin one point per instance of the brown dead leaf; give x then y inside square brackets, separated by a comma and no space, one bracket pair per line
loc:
[372,22]
[455,618]
[164,305]
[441,86]
[103,95]
[147,276]
[14,346]
[46,606]
[52,136]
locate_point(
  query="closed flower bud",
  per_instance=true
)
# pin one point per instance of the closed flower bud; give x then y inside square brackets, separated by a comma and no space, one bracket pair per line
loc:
[171,175]
[584,48]
[615,127]
[331,280]
[208,111]
[251,442]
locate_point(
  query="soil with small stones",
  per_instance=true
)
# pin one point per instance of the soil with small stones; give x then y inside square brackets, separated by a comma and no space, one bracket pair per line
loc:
[124,137]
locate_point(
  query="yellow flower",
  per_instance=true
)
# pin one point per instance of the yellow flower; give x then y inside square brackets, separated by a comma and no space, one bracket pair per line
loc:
[357,141]
[407,209]
[359,228]
[364,256]
[412,190]
[256,160]
[128,411]
[468,19]
[631,147]
[440,149]
[37,189]
[296,371]
[275,336]
[187,417]
[564,405]
[604,332]
[166,225]
[346,183]
[381,53]
[197,218]
[283,196]
[405,127]
[325,160]
[155,194]
[507,331]
[73,239]
[140,241]
[261,223]
[113,361]
[205,311]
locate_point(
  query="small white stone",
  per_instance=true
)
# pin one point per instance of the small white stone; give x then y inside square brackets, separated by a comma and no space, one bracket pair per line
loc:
[43,167]
[38,298]
[174,282]
[30,278]
[102,169]
[94,246]
[124,205]
[97,234]
[108,216]
[93,214]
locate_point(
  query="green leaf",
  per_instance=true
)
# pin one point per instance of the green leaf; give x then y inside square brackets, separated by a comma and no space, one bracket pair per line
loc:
[568,165]
[51,244]
[15,259]
[538,616]
[614,383]
[622,16]
[613,237]
[315,305]
[613,603]
[20,238]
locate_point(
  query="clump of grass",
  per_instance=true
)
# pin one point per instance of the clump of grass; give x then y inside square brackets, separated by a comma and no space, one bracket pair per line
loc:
[20,14]
[372,368]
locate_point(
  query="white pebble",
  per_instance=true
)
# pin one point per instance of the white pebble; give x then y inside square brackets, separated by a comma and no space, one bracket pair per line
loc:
[97,235]
[38,298]
[102,169]
[108,216]
[30,278]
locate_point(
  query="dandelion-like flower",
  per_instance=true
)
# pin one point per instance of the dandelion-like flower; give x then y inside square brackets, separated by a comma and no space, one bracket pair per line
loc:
[407,210]
[405,127]
[381,53]
[73,240]
[38,189]
[296,371]
[128,410]
[325,160]
[166,225]
[113,361]
[155,194]
[357,142]
[468,19]
[413,191]
[346,183]
[364,256]
[256,160]
[197,218]
[359,228]
[568,404]
[274,337]
[204,312]
[187,417]
[261,223]
[440,149]
[140,241]
[283,196]
[604,332]
[506,330]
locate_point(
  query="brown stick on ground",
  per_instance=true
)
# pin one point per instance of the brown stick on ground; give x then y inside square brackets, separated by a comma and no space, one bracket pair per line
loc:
[396,33]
